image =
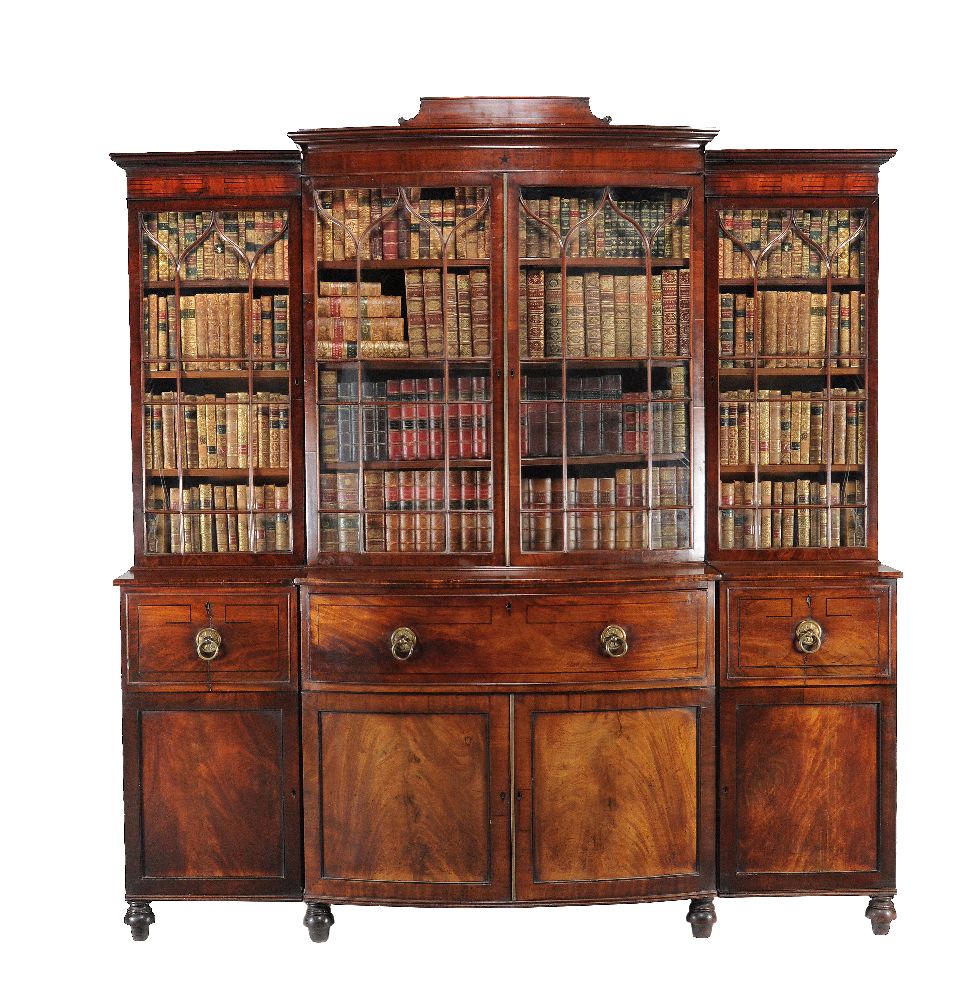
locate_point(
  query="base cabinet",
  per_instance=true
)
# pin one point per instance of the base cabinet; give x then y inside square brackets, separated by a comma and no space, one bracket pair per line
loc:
[611,796]
[808,790]
[212,796]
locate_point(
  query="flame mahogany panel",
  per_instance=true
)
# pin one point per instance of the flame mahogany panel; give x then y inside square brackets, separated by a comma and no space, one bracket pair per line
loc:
[406,797]
[614,794]
[808,789]
[212,805]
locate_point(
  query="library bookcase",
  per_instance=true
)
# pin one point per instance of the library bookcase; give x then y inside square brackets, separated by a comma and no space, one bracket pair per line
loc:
[505,519]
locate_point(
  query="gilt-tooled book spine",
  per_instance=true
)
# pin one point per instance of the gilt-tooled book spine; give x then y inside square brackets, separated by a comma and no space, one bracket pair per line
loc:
[553,314]
[480,311]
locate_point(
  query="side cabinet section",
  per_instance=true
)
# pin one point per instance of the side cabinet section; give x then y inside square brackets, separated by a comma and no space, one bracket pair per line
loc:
[407,797]
[212,795]
[615,795]
[808,789]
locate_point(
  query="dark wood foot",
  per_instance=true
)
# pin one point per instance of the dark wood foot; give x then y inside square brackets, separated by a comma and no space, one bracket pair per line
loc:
[318,920]
[881,912]
[138,918]
[701,916]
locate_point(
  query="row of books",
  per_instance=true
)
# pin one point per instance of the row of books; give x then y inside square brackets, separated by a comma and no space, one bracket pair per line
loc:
[606,314]
[603,513]
[213,327]
[791,428]
[344,319]
[464,304]
[793,256]
[590,386]
[604,428]
[404,431]
[341,386]
[607,234]
[406,489]
[784,517]
[406,532]
[793,328]
[219,431]
[217,519]
[627,488]
[214,258]
[399,234]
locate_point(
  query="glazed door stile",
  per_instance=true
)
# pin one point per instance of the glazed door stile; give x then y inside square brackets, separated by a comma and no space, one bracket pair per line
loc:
[407,797]
[614,795]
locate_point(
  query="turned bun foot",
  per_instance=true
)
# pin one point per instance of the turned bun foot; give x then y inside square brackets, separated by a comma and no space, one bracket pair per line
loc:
[701,917]
[318,920]
[881,912]
[139,917]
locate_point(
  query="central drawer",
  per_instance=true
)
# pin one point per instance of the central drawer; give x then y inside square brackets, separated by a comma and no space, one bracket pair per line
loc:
[660,635]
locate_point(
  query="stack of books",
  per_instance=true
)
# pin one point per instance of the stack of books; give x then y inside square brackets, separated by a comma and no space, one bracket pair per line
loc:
[343,318]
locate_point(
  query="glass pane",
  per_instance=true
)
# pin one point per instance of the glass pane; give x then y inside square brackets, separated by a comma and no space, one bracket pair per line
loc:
[792,386]
[605,321]
[215,329]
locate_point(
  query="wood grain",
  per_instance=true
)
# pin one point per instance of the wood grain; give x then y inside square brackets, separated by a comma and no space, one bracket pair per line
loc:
[406,796]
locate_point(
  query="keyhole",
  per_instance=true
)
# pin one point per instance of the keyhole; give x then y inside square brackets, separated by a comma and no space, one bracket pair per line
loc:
[509,607]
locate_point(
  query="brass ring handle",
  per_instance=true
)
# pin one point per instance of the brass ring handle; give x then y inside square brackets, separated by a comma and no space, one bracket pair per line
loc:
[613,641]
[808,636]
[208,643]
[403,643]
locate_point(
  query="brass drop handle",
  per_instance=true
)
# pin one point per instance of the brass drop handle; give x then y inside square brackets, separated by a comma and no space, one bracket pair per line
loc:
[208,643]
[403,643]
[808,636]
[613,641]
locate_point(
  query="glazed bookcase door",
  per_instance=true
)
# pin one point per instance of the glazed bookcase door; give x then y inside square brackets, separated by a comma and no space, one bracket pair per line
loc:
[404,348]
[604,311]
[792,348]
[217,372]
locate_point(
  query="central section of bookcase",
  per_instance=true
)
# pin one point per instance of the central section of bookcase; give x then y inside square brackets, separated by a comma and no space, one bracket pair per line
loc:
[503,372]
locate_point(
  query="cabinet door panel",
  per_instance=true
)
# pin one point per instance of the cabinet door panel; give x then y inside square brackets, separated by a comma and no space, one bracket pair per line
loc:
[212,795]
[407,797]
[808,789]
[614,795]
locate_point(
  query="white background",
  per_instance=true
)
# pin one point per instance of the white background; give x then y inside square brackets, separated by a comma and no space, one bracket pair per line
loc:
[80,81]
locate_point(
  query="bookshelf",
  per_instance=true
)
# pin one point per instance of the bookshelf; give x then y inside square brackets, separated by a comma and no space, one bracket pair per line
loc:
[489,470]
[793,386]
[402,359]
[606,362]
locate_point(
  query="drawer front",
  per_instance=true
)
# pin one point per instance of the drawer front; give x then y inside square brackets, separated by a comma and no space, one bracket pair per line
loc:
[256,626]
[762,625]
[513,639]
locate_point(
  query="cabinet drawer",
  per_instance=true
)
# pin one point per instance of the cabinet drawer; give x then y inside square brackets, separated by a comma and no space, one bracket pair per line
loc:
[516,638]
[761,628]
[256,627]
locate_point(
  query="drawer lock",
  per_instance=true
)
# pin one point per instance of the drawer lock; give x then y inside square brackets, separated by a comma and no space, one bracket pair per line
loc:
[403,642]
[613,641]
[808,636]
[208,642]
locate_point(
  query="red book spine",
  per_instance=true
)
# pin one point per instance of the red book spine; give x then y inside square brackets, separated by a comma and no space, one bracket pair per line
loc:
[480,430]
[466,426]
[453,430]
